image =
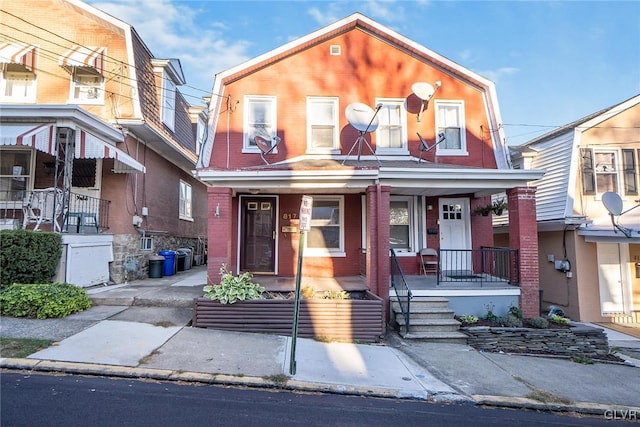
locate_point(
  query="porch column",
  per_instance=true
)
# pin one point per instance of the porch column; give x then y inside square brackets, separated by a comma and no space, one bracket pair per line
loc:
[523,235]
[219,234]
[378,268]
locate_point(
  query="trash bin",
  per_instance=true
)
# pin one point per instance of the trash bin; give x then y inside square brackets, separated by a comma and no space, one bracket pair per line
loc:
[169,262]
[156,264]
[181,257]
[188,261]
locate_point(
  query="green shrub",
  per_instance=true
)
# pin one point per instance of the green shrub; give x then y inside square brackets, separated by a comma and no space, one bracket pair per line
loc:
[538,322]
[233,288]
[43,301]
[515,311]
[510,321]
[28,256]
[559,319]
[468,319]
[339,295]
[491,316]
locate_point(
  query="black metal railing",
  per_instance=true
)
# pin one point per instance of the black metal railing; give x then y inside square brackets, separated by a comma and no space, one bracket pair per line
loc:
[399,285]
[484,265]
[73,213]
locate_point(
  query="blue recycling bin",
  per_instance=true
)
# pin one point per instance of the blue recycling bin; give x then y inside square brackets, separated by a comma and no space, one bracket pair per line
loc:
[169,262]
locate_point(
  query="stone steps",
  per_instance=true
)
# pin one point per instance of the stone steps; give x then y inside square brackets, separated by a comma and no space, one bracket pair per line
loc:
[430,320]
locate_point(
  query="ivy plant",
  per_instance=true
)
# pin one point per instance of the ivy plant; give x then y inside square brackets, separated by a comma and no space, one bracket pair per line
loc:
[233,288]
[43,301]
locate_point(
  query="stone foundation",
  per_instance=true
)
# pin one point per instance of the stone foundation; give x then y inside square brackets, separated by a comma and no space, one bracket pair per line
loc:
[577,340]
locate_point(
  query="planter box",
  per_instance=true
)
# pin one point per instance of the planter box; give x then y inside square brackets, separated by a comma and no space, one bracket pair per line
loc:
[344,320]
[577,340]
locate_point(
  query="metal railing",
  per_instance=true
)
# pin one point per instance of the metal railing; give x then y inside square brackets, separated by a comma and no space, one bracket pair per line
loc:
[399,285]
[484,265]
[79,213]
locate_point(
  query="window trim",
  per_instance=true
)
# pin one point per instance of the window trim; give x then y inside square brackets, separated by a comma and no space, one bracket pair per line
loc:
[462,151]
[324,252]
[311,101]
[404,149]
[246,147]
[32,89]
[168,101]
[184,213]
[412,206]
[630,171]
[73,86]
[17,204]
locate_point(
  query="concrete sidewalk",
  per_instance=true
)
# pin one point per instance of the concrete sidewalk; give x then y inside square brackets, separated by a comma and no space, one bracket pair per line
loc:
[152,339]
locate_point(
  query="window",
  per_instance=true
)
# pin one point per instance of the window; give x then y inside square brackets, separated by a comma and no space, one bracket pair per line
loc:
[86,87]
[146,243]
[401,224]
[599,171]
[84,173]
[630,174]
[15,174]
[450,121]
[185,201]
[168,101]
[201,134]
[391,135]
[327,231]
[259,119]
[17,85]
[322,124]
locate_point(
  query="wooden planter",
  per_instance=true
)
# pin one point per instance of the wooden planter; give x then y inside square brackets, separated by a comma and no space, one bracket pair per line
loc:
[344,320]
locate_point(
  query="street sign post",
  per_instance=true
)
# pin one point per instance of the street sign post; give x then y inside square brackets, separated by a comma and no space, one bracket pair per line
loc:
[306,208]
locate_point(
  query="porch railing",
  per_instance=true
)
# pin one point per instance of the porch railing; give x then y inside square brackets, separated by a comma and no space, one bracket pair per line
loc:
[399,285]
[484,265]
[78,214]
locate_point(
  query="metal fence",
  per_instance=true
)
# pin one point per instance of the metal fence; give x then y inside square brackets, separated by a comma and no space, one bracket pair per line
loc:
[484,265]
[399,285]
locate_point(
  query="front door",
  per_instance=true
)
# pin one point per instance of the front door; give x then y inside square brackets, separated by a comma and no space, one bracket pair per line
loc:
[455,234]
[258,234]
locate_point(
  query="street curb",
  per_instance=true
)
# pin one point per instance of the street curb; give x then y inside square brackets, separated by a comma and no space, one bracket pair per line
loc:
[282,383]
[586,408]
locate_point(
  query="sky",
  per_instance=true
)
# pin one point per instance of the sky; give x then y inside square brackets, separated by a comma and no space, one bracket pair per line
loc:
[553,62]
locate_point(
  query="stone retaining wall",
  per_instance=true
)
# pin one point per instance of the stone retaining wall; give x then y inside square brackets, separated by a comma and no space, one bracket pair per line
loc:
[577,340]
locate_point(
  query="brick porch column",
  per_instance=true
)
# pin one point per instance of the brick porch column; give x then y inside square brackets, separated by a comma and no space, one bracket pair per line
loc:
[219,234]
[523,235]
[378,268]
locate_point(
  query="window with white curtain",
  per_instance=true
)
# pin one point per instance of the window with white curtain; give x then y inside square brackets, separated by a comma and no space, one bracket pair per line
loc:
[401,223]
[326,236]
[259,119]
[17,86]
[450,120]
[391,134]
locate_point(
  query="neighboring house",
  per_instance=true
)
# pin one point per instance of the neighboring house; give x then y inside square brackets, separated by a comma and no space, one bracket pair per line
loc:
[363,203]
[89,113]
[589,268]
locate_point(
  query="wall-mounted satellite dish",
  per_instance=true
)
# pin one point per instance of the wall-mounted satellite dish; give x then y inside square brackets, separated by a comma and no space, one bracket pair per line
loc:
[364,119]
[266,145]
[425,147]
[613,202]
[425,92]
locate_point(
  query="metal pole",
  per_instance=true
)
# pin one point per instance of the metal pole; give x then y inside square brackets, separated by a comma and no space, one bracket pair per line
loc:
[296,311]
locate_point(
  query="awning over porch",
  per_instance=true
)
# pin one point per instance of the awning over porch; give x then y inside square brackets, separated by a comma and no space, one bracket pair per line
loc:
[42,138]
[85,57]
[18,53]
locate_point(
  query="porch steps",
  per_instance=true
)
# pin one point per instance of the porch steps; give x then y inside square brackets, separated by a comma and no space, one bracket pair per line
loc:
[430,320]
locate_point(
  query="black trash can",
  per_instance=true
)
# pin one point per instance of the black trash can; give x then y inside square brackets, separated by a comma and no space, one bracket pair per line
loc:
[182,258]
[156,263]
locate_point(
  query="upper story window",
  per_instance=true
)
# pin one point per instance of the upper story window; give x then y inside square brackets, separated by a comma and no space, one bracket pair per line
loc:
[87,87]
[322,124]
[326,236]
[17,86]
[260,118]
[391,134]
[630,168]
[185,201]
[16,176]
[168,101]
[600,171]
[450,120]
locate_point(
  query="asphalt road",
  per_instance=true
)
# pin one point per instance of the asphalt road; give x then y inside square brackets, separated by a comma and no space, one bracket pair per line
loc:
[68,400]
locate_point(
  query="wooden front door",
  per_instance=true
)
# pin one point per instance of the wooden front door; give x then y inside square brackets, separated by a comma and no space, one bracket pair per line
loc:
[258,234]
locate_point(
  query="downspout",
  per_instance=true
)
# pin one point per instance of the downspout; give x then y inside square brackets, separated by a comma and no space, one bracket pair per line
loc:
[380,252]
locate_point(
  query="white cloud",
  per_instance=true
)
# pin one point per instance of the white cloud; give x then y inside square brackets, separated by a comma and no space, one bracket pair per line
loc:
[498,73]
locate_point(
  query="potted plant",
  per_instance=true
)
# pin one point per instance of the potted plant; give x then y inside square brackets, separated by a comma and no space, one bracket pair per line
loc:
[483,210]
[499,206]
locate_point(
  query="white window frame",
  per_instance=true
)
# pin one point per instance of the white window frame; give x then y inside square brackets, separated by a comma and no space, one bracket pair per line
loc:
[77,85]
[19,176]
[313,122]
[185,207]
[413,224]
[28,85]
[329,252]
[599,169]
[441,124]
[248,129]
[168,110]
[201,134]
[384,126]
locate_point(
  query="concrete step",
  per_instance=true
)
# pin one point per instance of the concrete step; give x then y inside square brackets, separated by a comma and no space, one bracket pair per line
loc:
[419,303]
[430,325]
[430,313]
[437,337]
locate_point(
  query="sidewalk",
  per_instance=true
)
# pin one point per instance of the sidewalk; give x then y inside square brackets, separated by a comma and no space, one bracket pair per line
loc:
[152,339]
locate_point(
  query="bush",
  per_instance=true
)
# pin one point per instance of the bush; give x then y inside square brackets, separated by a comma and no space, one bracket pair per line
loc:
[538,323]
[468,319]
[559,319]
[28,256]
[511,321]
[233,288]
[43,301]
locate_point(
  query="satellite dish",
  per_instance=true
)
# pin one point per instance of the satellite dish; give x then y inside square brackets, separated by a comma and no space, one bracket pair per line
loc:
[362,117]
[423,90]
[266,144]
[613,202]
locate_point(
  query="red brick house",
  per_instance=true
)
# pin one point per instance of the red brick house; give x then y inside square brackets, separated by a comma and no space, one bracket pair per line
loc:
[87,112]
[387,191]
